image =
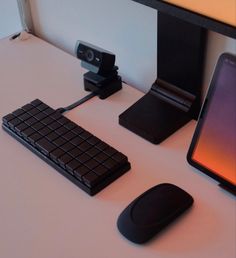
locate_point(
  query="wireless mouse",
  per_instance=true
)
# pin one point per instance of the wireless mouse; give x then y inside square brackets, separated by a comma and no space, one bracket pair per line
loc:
[152,211]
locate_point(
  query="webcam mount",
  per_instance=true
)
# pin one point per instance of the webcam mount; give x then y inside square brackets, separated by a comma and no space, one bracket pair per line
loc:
[102,77]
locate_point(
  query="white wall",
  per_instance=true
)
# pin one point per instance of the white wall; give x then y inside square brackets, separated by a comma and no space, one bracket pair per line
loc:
[9,18]
[124,27]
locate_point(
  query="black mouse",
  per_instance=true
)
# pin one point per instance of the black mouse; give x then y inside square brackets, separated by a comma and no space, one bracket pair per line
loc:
[152,211]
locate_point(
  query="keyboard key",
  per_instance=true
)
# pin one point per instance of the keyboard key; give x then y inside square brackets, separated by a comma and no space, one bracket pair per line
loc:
[14,122]
[36,102]
[20,127]
[101,170]
[90,179]
[34,137]
[72,165]
[52,136]
[76,153]
[27,132]
[56,154]
[31,121]
[18,112]
[27,107]
[45,146]
[33,111]
[81,171]
[64,159]
[8,118]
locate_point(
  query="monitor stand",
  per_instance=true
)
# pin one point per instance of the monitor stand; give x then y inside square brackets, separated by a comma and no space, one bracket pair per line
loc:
[175,97]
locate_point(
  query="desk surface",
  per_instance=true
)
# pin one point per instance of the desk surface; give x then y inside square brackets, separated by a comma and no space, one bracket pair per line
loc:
[45,215]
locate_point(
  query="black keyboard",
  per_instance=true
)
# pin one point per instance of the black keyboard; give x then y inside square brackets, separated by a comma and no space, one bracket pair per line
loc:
[80,156]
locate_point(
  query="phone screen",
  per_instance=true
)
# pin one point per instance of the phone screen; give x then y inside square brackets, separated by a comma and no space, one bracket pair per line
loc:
[215,148]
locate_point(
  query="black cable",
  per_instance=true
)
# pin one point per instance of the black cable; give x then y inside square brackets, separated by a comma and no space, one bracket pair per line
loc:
[77,103]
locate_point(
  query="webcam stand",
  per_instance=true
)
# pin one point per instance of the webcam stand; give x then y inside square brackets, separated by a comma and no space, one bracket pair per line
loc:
[103,85]
[175,98]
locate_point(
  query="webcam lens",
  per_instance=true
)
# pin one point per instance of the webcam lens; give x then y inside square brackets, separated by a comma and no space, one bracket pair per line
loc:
[89,55]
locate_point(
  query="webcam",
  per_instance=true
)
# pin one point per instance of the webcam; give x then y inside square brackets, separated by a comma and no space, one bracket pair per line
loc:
[102,78]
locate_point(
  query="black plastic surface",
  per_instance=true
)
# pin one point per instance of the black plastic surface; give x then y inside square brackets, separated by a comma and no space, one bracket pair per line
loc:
[77,154]
[143,218]
[153,119]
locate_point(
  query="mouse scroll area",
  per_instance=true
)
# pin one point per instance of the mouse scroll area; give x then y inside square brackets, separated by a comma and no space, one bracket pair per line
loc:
[152,211]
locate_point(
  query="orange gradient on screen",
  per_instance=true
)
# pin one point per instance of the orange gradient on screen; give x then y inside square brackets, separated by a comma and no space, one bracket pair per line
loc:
[216,145]
[223,11]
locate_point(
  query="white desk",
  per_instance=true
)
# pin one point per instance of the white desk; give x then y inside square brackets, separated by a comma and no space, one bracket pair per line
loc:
[45,215]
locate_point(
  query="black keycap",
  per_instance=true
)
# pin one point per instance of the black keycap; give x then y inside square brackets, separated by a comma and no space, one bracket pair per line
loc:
[33,111]
[42,106]
[63,120]
[40,116]
[37,126]
[47,121]
[67,146]
[52,136]
[110,151]
[78,130]
[101,157]
[70,125]
[36,102]
[27,107]
[34,137]
[18,112]
[54,125]
[24,117]
[93,152]
[110,164]
[31,121]
[90,179]
[64,159]
[69,135]
[75,152]
[91,164]
[119,157]
[45,146]
[8,118]
[85,135]
[56,154]
[81,171]
[102,145]
[59,141]
[77,141]
[61,130]
[48,111]
[44,131]
[20,127]
[14,122]
[93,140]
[27,132]
[84,146]
[83,158]
[72,165]
[56,116]
[101,170]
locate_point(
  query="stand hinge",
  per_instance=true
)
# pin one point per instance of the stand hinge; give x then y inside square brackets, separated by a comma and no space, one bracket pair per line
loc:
[173,95]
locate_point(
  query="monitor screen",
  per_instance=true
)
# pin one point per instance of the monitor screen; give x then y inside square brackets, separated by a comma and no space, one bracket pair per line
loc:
[213,148]
[223,11]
